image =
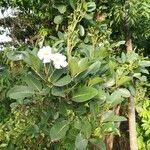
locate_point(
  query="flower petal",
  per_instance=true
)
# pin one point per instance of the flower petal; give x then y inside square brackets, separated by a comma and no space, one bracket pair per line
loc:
[46,60]
[57,66]
[40,55]
[45,54]
[64,64]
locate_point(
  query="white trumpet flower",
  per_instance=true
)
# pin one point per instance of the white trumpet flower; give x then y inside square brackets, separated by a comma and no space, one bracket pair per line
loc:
[59,61]
[45,54]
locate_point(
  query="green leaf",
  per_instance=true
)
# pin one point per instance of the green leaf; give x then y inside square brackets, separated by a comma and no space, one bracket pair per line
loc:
[63,81]
[58,130]
[90,6]
[144,63]
[80,142]
[20,92]
[132,90]
[123,80]
[64,108]
[81,30]
[124,92]
[120,43]
[94,81]
[144,70]
[110,83]
[4,145]
[58,19]
[55,75]
[45,91]
[93,69]
[123,57]
[83,64]
[102,53]
[15,55]
[77,123]
[33,61]
[61,8]
[131,57]
[137,75]
[33,83]
[101,95]
[99,143]
[94,108]
[83,94]
[86,128]
[110,127]
[73,65]
[115,98]
[72,3]
[80,110]
[110,117]
[57,91]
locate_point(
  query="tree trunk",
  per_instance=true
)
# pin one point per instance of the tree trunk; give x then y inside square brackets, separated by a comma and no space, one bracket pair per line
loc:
[131,106]
[132,125]
[110,139]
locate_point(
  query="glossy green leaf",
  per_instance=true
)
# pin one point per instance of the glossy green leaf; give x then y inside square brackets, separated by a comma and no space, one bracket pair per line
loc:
[83,64]
[73,65]
[93,69]
[94,81]
[83,94]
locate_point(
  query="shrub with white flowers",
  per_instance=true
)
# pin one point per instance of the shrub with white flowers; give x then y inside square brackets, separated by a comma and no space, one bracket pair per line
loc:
[53,107]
